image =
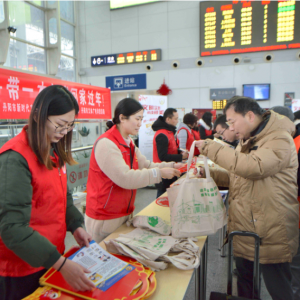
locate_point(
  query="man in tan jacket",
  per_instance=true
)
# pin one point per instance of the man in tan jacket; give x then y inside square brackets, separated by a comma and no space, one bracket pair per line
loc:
[262,176]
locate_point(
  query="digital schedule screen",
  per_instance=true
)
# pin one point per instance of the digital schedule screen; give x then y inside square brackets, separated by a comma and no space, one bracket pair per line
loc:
[230,27]
[126,58]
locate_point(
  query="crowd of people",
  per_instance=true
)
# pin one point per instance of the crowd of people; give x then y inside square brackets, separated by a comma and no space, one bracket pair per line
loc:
[259,161]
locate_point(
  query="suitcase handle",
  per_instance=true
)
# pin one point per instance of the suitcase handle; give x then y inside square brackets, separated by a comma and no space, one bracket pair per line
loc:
[256,277]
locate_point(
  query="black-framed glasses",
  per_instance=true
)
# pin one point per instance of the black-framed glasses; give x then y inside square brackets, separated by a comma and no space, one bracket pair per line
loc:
[60,128]
[223,131]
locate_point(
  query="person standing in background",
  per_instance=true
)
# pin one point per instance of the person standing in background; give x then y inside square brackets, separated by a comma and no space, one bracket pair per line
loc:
[165,145]
[206,126]
[186,135]
[117,170]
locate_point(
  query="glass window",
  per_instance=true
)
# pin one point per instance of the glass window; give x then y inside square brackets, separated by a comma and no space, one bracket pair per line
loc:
[67,10]
[67,38]
[66,69]
[26,57]
[52,31]
[1,11]
[39,3]
[29,21]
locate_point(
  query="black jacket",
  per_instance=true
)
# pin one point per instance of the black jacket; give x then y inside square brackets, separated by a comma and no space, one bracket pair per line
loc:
[162,141]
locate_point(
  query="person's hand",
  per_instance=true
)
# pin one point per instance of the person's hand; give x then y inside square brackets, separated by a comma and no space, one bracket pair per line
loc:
[74,275]
[178,165]
[169,173]
[82,237]
[199,144]
[185,155]
[199,172]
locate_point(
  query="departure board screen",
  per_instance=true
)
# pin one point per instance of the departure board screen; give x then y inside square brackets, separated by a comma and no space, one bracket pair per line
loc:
[230,27]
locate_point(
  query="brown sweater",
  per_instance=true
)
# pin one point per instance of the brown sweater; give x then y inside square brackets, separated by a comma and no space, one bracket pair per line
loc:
[111,162]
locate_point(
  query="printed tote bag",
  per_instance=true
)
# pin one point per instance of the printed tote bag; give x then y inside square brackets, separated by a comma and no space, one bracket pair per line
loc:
[196,205]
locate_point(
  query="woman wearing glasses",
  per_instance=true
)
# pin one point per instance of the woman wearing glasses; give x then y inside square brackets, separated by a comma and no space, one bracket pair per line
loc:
[36,208]
[117,170]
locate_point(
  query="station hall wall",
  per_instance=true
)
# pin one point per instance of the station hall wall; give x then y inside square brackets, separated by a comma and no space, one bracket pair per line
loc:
[173,26]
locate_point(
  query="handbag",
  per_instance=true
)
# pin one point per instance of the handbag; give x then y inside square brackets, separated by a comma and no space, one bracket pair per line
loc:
[196,205]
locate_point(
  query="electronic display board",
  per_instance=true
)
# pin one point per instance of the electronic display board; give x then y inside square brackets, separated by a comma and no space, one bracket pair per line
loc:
[126,58]
[230,27]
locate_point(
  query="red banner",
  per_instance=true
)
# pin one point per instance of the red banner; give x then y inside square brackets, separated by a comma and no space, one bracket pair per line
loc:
[18,91]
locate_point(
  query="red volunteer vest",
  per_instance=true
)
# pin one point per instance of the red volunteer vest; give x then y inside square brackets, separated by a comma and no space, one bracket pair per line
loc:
[105,199]
[48,207]
[172,146]
[196,135]
[297,144]
[208,132]
[190,140]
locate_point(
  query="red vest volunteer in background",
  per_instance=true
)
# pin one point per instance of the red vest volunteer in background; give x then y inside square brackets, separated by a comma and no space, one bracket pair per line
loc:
[205,126]
[186,135]
[35,206]
[165,144]
[117,169]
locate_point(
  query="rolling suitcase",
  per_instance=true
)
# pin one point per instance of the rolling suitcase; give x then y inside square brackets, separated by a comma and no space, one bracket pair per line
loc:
[256,277]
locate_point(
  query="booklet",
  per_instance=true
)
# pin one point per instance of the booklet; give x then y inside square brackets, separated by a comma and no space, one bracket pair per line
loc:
[105,268]
[121,287]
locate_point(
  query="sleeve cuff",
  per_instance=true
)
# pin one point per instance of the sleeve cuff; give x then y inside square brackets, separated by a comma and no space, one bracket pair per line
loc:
[54,257]
[74,226]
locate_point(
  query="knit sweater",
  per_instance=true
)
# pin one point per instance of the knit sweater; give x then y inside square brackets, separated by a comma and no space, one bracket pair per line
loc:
[111,162]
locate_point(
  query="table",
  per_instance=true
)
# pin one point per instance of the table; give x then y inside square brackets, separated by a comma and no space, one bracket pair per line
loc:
[172,283]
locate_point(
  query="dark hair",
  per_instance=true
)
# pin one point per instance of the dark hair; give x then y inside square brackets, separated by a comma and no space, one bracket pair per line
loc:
[283,110]
[190,119]
[169,113]
[126,107]
[297,115]
[221,120]
[207,117]
[242,105]
[54,100]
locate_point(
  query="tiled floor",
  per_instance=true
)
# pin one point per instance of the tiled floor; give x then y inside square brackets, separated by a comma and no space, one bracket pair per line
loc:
[216,265]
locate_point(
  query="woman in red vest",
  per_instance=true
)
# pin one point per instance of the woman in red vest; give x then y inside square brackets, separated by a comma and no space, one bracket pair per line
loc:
[186,133]
[36,208]
[117,170]
[206,126]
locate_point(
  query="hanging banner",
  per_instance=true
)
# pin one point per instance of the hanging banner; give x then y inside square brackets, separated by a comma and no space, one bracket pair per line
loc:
[154,106]
[18,91]
[295,105]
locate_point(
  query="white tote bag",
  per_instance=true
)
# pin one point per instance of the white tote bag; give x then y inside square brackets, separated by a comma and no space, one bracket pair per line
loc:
[196,205]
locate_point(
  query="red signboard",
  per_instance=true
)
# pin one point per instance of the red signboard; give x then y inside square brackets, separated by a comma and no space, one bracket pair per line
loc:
[18,91]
